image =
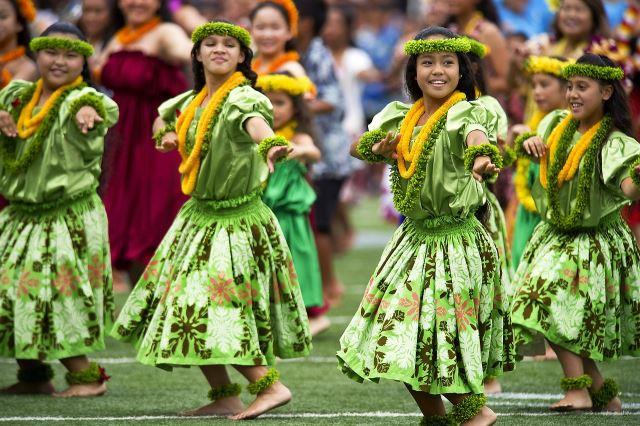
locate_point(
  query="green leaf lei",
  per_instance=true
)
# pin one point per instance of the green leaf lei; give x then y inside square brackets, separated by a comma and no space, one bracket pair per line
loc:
[632,172]
[366,142]
[89,99]
[405,202]
[485,149]
[570,221]
[593,71]
[573,383]
[224,29]
[519,144]
[8,146]
[157,136]
[48,42]
[267,143]
[468,408]
[454,45]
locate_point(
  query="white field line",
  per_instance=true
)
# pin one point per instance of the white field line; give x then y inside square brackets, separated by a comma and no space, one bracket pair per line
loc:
[371,414]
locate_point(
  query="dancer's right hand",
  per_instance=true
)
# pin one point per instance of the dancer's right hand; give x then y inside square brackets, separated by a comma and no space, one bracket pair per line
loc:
[535,147]
[169,142]
[7,125]
[387,146]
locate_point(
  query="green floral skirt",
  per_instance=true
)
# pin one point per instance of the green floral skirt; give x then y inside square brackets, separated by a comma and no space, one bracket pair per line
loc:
[497,227]
[435,314]
[581,291]
[55,282]
[220,289]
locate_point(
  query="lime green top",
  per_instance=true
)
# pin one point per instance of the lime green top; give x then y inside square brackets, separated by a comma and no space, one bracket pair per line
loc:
[69,162]
[448,189]
[231,167]
[498,122]
[606,196]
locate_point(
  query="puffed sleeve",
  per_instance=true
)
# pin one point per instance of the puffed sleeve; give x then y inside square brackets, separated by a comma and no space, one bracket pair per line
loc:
[497,121]
[617,154]
[244,103]
[171,109]
[10,94]
[465,117]
[390,117]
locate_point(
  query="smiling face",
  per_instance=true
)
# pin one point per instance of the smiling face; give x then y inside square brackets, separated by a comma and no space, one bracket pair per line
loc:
[95,17]
[220,55]
[283,108]
[575,19]
[437,74]
[586,98]
[9,25]
[270,31]
[548,92]
[138,12]
[58,67]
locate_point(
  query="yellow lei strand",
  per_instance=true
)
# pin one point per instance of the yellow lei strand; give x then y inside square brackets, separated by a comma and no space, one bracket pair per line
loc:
[406,153]
[27,124]
[190,165]
[575,156]
[288,131]
[521,180]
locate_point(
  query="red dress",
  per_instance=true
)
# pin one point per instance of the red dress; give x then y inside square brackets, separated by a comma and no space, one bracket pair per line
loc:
[142,187]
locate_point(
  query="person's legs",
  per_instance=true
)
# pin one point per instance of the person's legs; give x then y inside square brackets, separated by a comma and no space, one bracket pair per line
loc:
[85,378]
[598,385]
[430,405]
[484,417]
[574,399]
[224,395]
[34,377]
[270,392]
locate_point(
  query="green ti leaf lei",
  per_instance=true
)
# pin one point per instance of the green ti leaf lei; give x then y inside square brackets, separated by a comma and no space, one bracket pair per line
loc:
[405,202]
[570,222]
[9,146]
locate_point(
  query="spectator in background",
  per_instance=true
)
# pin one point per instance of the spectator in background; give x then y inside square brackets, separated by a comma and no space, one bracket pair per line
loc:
[529,17]
[99,21]
[335,167]
[52,11]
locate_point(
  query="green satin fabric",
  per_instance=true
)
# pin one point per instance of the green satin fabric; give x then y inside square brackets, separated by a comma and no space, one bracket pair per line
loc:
[448,189]
[498,121]
[606,196]
[232,167]
[69,162]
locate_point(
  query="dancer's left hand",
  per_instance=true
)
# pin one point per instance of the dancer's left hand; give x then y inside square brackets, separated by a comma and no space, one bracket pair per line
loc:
[276,153]
[483,166]
[87,118]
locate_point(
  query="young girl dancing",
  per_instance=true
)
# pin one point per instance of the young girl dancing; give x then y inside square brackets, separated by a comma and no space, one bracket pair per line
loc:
[434,315]
[221,289]
[55,275]
[288,193]
[578,282]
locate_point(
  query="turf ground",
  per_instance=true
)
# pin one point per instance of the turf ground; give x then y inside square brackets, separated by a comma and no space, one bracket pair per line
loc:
[322,395]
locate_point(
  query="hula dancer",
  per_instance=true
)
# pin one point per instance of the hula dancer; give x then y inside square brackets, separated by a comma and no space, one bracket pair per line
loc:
[579,279]
[55,274]
[435,315]
[221,289]
[288,193]
[549,93]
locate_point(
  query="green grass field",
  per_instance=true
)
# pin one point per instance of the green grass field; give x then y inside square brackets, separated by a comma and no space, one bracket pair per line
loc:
[322,395]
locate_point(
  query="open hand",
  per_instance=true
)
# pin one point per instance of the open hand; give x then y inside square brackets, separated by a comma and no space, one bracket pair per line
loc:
[7,125]
[387,146]
[86,118]
[168,143]
[535,147]
[483,166]
[276,153]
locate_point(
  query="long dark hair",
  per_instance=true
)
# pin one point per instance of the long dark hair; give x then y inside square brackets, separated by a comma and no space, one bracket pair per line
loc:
[617,105]
[478,72]
[290,45]
[599,23]
[302,114]
[489,11]
[24,36]
[62,27]
[467,83]
[244,67]
[349,17]
[116,21]
[313,9]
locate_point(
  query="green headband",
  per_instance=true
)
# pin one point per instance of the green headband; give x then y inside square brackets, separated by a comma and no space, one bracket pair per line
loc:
[222,29]
[593,71]
[478,49]
[454,45]
[48,42]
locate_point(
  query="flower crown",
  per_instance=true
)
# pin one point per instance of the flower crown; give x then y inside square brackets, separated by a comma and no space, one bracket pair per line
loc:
[292,12]
[27,9]
[478,49]
[49,42]
[454,45]
[294,86]
[596,72]
[545,65]
[222,29]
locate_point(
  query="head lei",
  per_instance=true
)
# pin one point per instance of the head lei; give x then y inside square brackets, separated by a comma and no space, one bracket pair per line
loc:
[294,86]
[554,5]
[221,29]
[478,49]
[27,9]
[454,45]
[51,42]
[596,72]
[292,11]
[545,65]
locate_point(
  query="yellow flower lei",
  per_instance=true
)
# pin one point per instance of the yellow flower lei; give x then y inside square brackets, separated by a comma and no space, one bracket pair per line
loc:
[294,86]
[288,131]
[570,167]
[521,180]
[190,164]
[406,153]
[27,124]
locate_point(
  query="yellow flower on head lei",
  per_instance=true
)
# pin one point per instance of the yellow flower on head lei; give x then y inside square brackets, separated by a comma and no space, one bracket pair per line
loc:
[27,9]
[292,11]
[545,65]
[294,86]
[554,5]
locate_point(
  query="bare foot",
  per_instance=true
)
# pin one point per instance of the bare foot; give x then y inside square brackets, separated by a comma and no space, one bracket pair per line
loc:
[574,400]
[492,387]
[89,389]
[485,417]
[274,396]
[614,406]
[319,324]
[334,293]
[22,388]
[223,407]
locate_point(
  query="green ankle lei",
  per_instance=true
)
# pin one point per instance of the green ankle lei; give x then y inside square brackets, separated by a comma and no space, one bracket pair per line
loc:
[92,374]
[604,395]
[224,391]
[437,420]
[573,383]
[468,408]
[264,382]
